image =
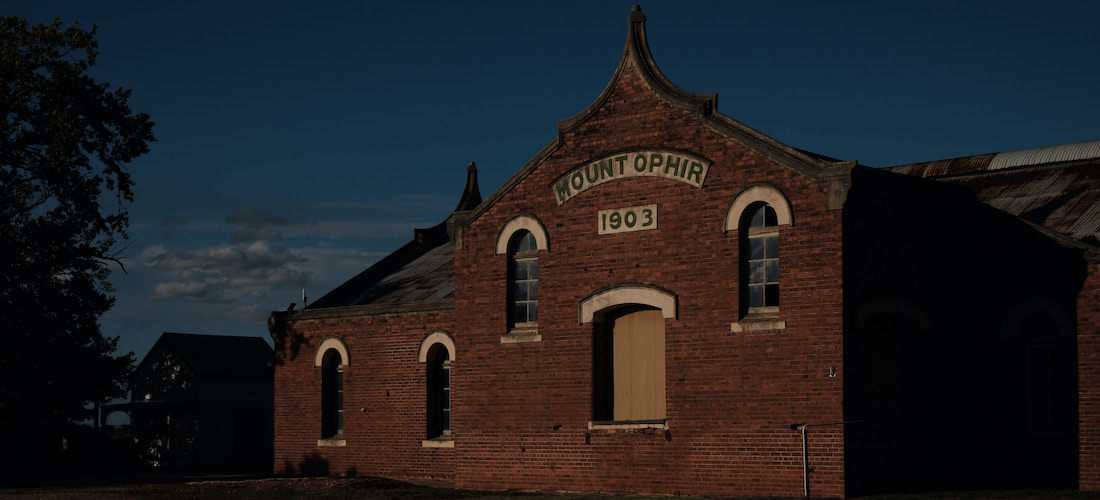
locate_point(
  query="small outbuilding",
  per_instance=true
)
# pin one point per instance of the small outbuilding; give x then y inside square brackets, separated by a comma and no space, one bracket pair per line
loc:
[203,401]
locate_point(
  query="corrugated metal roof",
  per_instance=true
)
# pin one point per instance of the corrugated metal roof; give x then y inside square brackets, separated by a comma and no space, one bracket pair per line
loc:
[430,276]
[1056,187]
[952,166]
[1049,154]
[422,270]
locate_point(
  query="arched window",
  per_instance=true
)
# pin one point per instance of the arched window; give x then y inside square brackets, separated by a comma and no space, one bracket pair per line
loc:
[437,352]
[760,260]
[523,280]
[1049,381]
[439,392]
[332,394]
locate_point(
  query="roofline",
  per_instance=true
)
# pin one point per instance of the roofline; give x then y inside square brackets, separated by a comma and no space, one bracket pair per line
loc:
[363,311]
[1045,156]
[636,54]
[424,240]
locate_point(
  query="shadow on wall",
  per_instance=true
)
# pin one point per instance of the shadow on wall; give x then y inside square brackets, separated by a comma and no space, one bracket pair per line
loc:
[311,465]
[287,346]
[314,465]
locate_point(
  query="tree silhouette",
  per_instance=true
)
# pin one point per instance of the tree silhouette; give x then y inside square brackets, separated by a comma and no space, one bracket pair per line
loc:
[64,142]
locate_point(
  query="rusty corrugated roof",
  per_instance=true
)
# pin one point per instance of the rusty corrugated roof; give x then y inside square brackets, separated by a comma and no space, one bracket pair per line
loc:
[420,275]
[430,276]
[1057,187]
[422,270]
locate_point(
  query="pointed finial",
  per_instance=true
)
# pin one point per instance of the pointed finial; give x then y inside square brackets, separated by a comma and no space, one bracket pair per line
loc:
[471,194]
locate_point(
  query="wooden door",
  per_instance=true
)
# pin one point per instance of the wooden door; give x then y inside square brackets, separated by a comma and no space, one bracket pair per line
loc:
[639,366]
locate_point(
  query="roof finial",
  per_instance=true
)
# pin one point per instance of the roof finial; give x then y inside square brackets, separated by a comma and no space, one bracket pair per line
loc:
[471,195]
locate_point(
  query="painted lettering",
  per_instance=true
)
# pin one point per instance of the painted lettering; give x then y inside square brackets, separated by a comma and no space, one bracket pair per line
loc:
[655,161]
[578,181]
[627,219]
[606,169]
[592,173]
[670,164]
[562,188]
[667,163]
[696,172]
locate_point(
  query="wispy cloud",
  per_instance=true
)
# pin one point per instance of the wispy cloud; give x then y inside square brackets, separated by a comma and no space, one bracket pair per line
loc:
[256,268]
[206,274]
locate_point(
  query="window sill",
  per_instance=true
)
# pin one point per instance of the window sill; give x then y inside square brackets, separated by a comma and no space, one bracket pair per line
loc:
[332,442]
[439,442]
[753,322]
[628,425]
[522,334]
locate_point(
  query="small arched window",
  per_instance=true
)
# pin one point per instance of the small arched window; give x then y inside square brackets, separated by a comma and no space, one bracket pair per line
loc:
[439,392]
[760,268]
[332,394]
[523,280]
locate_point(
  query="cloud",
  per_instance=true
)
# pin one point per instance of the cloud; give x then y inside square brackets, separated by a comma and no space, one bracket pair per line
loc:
[207,274]
[228,257]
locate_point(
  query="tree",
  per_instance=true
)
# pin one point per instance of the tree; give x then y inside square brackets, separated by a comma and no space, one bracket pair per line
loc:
[64,190]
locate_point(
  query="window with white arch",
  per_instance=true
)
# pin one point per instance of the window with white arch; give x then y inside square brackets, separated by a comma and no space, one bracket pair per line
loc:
[331,358]
[522,239]
[756,215]
[437,352]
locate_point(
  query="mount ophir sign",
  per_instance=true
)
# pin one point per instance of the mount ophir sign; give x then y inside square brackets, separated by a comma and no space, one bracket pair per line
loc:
[668,163]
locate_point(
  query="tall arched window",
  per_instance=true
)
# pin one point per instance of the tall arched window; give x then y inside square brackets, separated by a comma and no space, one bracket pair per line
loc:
[439,392]
[332,394]
[760,268]
[1050,383]
[523,280]
[437,352]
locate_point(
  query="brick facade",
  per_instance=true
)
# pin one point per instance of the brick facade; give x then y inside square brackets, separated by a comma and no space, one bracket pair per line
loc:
[1088,352]
[853,359]
[384,389]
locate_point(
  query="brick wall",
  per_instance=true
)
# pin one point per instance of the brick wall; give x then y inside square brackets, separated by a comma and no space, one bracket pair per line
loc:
[384,399]
[731,398]
[1088,376]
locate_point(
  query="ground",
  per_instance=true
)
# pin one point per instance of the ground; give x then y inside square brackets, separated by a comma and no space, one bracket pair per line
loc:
[369,488]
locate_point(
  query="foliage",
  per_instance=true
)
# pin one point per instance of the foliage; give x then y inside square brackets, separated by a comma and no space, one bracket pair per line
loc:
[64,142]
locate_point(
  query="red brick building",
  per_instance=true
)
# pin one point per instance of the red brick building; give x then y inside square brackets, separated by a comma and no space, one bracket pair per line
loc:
[667,301]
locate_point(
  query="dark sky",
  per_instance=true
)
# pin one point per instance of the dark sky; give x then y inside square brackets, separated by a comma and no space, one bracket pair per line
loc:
[298,142]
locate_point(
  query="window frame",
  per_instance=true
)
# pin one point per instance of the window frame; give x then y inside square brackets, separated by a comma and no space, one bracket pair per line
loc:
[332,359]
[524,331]
[766,234]
[738,218]
[518,259]
[429,355]
[438,393]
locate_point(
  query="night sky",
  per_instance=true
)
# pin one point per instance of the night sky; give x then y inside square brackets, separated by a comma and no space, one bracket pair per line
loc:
[299,142]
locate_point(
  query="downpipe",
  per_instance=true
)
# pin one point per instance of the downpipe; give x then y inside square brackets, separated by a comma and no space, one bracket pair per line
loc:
[805,449]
